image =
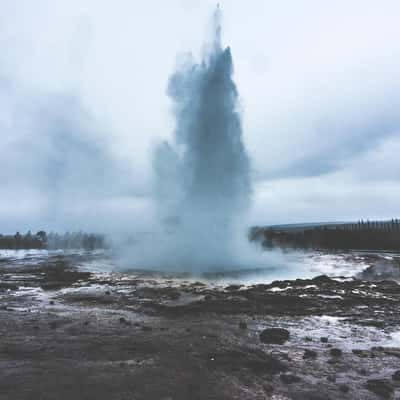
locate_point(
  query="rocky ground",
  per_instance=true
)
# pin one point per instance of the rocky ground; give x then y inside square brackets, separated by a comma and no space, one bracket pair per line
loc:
[68,333]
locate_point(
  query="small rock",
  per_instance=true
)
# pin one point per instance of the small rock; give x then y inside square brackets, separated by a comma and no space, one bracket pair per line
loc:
[107,293]
[289,378]
[274,336]
[124,321]
[396,375]
[194,387]
[86,323]
[53,325]
[309,354]
[335,352]
[146,328]
[380,387]
[361,353]
[268,388]
[242,325]
[324,340]
[344,388]
[308,339]
[51,302]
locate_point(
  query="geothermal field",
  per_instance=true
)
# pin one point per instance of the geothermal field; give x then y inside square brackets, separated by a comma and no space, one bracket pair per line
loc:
[71,327]
[198,283]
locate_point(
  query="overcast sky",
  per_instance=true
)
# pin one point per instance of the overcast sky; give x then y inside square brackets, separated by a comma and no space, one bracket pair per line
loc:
[83,103]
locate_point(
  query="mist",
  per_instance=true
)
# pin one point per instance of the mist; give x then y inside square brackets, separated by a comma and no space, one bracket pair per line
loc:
[202,177]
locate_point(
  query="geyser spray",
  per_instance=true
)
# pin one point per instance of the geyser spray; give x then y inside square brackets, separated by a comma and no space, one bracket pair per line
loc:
[203,177]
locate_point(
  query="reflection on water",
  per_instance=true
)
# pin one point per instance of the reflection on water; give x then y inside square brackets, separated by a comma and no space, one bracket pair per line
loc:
[339,332]
[294,265]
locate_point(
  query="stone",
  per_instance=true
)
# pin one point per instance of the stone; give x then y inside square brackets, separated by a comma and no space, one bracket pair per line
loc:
[268,388]
[344,388]
[396,375]
[53,325]
[335,352]
[309,354]
[380,387]
[242,325]
[146,328]
[274,336]
[361,353]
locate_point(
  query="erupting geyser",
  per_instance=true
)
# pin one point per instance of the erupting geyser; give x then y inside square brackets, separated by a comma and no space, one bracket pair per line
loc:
[203,180]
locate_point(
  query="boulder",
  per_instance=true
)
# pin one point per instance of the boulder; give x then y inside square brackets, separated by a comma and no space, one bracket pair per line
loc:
[274,336]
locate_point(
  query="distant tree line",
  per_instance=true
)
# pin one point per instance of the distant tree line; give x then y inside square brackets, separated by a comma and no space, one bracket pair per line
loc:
[53,241]
[363,235]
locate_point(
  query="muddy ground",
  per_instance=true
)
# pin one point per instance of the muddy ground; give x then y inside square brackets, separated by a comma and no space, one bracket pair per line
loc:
[68,333]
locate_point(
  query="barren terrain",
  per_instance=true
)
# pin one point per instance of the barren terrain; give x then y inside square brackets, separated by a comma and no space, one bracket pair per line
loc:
[67,332]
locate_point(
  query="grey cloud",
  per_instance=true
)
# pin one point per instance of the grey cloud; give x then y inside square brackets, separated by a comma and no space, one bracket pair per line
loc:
[82,101]
[56,154]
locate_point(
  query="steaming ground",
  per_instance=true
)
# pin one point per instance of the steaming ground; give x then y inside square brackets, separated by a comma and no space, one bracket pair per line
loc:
[174,252]
[268,266]
[277,265]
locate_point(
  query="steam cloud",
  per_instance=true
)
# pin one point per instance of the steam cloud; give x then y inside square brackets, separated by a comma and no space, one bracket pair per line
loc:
[203,180]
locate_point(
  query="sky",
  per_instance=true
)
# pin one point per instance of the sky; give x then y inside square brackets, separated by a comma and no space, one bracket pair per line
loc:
[83,104]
